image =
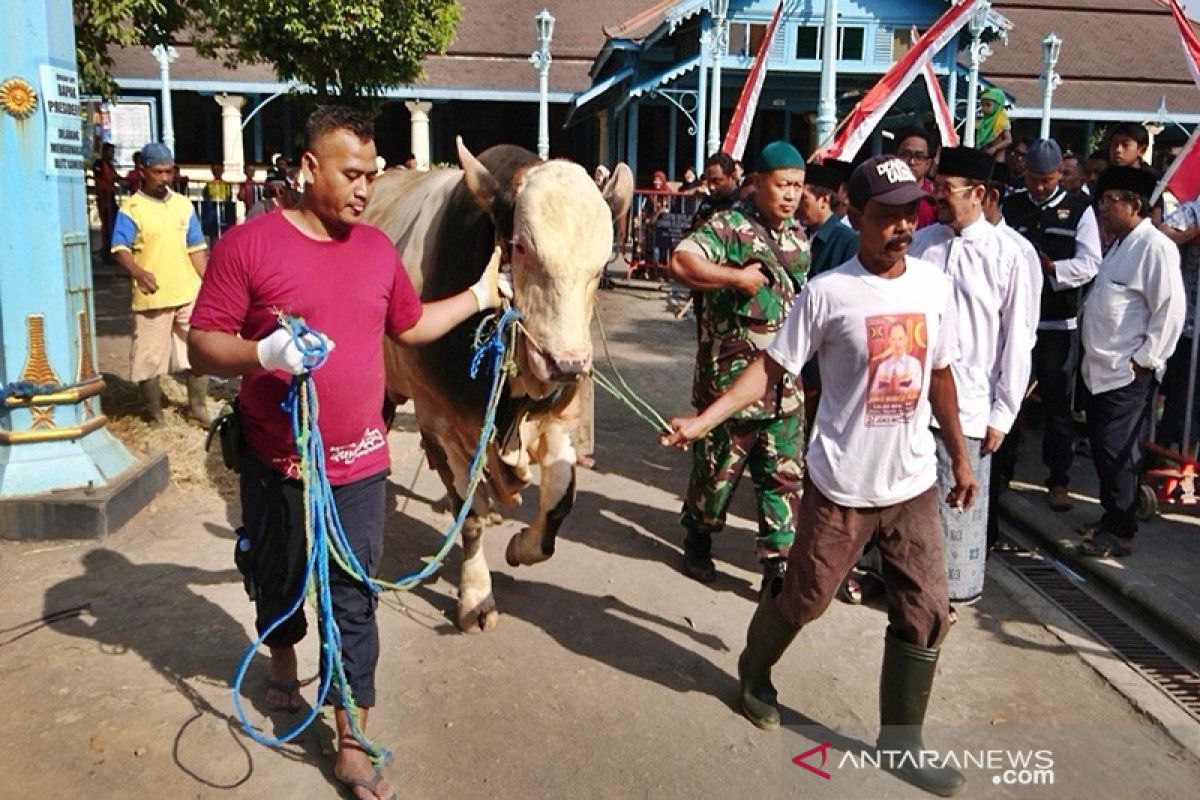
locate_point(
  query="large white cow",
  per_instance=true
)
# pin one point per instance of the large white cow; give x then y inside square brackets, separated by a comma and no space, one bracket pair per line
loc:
[554,226]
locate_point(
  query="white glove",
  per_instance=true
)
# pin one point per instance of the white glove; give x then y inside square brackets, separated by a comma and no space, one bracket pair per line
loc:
[494,285]
[279,352]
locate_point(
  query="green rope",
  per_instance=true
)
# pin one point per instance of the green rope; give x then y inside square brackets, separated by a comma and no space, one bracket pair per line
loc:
[622,391]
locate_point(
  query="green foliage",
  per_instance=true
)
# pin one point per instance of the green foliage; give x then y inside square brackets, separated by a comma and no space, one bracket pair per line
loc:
[339,48]
[101,23]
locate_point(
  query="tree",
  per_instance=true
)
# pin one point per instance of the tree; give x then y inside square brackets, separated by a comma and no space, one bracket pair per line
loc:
[100,24]
[352,48]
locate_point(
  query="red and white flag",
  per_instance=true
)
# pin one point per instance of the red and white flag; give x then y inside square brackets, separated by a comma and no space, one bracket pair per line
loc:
[858,125]
[1183,176]
[941,111]
[747,104]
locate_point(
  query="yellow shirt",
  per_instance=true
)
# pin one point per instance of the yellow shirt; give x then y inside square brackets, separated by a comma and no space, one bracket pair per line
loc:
[161,234]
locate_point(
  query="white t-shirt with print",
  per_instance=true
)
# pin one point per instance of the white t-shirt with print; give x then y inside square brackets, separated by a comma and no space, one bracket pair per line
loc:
[871,444]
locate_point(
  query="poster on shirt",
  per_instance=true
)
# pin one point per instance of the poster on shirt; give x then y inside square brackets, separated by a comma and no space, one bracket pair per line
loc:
[64,126]
[896,346]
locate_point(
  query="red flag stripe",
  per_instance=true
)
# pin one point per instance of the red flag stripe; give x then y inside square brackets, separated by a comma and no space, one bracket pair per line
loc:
[1182,178]
[743,113]
[862,119]
[941,111]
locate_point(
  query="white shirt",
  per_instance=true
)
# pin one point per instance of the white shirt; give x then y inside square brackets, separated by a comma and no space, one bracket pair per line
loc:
[1134,311]
[871,445]
[1034,285]
[997,314]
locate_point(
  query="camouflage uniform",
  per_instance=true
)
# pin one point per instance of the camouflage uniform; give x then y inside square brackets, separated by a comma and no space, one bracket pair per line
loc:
[766,436]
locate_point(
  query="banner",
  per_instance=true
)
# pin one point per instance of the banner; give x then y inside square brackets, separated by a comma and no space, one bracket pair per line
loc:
[858,125]
[1182,178]
[941,111]
[747,104]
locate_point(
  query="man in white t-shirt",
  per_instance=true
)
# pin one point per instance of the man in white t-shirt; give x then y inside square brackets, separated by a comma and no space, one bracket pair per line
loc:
[871,465]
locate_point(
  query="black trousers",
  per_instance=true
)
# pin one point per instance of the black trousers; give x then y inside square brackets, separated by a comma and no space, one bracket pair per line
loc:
[273,516]
[1118,423]
[1175,387]
[1055,362]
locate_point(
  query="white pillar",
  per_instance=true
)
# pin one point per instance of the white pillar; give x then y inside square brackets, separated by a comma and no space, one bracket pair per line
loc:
[827,105]
[702,94]
[164,56]
[233,153]
[977,52]
[418,112]
[720,33]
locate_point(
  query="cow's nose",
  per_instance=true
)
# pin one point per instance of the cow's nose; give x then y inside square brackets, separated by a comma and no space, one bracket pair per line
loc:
[569,367]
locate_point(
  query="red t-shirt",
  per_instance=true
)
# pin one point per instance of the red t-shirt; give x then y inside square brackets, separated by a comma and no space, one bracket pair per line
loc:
[353,290]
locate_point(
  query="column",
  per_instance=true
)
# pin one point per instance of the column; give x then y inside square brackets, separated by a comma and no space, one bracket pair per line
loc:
[164,56]
[418,112]
[232,150]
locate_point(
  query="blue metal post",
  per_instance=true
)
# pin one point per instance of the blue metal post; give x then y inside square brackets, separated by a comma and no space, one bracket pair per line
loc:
[56,438]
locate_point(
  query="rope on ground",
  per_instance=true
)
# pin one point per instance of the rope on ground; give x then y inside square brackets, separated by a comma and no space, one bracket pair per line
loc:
[327,539]
[622,391]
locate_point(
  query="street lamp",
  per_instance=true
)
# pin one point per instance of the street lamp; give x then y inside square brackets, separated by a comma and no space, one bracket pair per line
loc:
[720,40]
[977,52]
[1051,48]
[543,23]
[164,55]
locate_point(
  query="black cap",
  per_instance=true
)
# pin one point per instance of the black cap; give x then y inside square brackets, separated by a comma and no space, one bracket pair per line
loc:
[966,162]
[884,179]
[825,176]
[1000,173]
[1127,179]
[843,168]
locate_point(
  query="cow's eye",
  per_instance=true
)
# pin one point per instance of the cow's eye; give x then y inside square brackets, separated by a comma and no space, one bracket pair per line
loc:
[518,249]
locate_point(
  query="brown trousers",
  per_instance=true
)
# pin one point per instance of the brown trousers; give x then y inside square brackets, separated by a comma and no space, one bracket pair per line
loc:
[830,538]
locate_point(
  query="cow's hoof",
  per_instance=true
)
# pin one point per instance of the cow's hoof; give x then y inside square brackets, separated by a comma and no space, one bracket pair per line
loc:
[478,617]
[493,518]
[523,552]
[510,552]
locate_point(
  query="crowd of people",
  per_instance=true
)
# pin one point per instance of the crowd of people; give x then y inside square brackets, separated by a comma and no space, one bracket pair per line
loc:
[868,338]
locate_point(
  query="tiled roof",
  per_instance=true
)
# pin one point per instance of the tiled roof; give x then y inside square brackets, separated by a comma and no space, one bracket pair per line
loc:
[1116,54]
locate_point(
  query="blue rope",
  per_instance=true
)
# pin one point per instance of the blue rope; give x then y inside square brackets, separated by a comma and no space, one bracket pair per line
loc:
[326,536]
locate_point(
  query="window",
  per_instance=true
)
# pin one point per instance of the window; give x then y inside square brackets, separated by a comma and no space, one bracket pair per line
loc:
[746,37]
[851,42]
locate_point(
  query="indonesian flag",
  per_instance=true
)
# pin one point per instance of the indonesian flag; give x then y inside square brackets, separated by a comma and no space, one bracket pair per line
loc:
[858,125]
[941,111]
[1183,176]
[747,104]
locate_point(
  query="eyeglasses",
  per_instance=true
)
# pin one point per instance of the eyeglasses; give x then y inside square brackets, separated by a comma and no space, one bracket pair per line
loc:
[910,155]
[942,188]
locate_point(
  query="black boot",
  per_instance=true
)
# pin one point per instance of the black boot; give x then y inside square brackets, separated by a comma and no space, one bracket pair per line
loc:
[697,556]
[197,390]
[766,640]
[773,568]
[904,685]
[152,397]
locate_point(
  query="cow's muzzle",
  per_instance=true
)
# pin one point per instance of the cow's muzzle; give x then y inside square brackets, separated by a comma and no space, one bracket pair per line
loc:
[568,368]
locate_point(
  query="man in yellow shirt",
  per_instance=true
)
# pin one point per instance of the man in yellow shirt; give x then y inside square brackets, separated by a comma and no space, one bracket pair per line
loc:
[157,240]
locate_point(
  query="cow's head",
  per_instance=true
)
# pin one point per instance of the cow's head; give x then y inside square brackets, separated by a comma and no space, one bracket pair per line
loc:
[559,227]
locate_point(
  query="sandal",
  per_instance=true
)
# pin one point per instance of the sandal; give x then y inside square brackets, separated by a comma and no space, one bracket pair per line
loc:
[1103,545]
[861,589]
[1089,529]
[366,784]
[290,690]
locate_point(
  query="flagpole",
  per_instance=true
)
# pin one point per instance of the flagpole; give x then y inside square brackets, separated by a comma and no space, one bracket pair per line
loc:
[827,106]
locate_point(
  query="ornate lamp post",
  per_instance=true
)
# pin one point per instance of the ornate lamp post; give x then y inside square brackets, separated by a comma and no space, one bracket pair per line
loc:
[1051,48]
[544,25]
[720,40]
[978,52]
[827,106]
[164,56]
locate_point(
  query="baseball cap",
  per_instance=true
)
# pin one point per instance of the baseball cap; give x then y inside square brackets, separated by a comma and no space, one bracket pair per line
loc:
[884,179]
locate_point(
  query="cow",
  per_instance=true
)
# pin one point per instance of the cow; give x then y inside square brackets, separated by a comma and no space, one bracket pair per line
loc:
[550,222]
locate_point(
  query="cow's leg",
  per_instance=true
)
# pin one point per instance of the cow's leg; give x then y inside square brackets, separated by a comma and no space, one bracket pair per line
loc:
[476,605]
[556,495]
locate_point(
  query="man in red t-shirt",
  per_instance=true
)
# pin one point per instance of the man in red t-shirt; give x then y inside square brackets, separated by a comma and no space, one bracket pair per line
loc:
[347,282]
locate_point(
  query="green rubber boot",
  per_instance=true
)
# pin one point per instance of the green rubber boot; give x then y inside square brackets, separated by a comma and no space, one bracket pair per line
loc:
[904,685]
[766,640]
[152,397]
[197,391]
[697,556]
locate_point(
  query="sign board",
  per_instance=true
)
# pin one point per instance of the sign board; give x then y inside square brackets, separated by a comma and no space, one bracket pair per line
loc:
[129,128]
[64,132]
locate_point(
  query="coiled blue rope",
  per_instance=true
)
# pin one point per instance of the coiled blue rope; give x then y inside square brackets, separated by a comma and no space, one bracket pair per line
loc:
[326,536]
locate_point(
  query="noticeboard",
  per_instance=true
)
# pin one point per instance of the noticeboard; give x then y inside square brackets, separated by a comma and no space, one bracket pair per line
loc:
[64,131]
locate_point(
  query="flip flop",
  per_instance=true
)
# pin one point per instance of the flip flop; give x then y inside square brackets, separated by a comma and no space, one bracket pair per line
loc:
[1103,545]
[368,784]
[288,689]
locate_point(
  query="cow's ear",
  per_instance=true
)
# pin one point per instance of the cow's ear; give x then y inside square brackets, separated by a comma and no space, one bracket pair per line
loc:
[618,190]
[482,185]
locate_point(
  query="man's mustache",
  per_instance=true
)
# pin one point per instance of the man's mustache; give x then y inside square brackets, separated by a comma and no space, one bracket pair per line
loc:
[899,241]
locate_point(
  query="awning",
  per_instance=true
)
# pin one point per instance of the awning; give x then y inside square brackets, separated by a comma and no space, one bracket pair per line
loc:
[682,68]
[587,101]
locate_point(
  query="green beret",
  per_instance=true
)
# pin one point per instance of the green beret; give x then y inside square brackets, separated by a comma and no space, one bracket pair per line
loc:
[779,155]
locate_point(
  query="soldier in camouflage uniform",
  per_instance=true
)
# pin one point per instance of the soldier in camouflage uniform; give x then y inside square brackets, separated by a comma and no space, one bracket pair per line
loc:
[750,262]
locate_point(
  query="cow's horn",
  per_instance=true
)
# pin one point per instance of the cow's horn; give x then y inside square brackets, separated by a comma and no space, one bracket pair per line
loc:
[483,187]
[618,190]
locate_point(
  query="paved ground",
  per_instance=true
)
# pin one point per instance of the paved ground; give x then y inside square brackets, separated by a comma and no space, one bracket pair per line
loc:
[610,674]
